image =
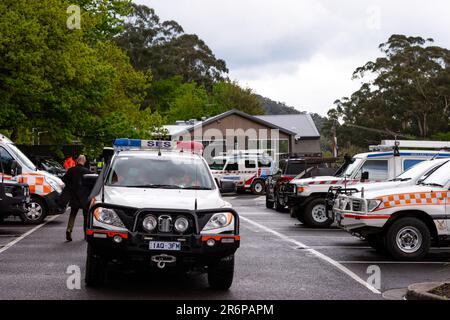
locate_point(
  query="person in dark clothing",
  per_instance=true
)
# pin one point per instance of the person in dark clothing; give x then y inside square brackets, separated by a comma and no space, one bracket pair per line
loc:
[79,194]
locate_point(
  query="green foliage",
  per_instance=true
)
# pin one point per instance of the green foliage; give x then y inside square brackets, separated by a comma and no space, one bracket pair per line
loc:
[229,95]
[108,16]
[57,80]
[164,48]
[407,97]
[190,103]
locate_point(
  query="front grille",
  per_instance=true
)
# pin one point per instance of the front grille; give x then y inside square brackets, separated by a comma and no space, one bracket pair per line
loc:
[165,224]
[357,205]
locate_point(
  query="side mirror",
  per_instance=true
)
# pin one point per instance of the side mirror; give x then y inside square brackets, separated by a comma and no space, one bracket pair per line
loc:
[108,153]
[227,186]
[365,176]
[89,180]
[16,169]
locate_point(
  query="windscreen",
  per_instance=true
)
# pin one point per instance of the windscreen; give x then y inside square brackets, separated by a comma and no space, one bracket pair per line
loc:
[295,168]
[352,167]
[440,177]
[164,173]
[21,157]
[421,169]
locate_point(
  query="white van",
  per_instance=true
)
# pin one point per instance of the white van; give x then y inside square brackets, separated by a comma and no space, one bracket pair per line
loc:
[306,198]
[45,188]
[248,170]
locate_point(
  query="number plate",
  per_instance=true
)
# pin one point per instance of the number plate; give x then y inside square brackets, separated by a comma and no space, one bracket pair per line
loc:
[166,246]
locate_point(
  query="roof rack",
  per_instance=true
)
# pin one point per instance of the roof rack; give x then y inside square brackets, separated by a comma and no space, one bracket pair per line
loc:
[416,144]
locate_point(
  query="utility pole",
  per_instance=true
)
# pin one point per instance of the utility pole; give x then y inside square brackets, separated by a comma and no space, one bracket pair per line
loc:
[335,142]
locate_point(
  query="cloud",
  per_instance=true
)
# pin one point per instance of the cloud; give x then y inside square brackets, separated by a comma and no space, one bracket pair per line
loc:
[303,52]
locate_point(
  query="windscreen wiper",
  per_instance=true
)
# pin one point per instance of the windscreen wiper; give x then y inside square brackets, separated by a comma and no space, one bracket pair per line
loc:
[155,186]
[433,185]
[196,188]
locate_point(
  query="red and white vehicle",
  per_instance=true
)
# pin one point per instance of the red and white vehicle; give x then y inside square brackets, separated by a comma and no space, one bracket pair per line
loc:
[249,171]
[403,221]
[306,198]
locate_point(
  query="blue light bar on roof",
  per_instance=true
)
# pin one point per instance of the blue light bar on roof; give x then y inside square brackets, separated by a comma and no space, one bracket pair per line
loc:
[127,143]
[142,144]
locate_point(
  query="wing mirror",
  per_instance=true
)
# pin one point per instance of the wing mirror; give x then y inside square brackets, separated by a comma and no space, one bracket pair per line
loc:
[16,169]
[365,176]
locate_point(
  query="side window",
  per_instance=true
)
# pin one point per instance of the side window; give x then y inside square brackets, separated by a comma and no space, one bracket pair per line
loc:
[378,169]
[250,164]
[409,163]
[6,161]
[264,163]
[232,166]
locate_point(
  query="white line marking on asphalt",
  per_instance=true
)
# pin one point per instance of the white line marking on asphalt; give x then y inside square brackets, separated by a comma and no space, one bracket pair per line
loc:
[394,262]
[319,255]
[10,244]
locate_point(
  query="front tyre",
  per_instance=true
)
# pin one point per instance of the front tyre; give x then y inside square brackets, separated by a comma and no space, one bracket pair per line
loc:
[408,239]
[269,204]
[258,187]
[277,205]
[35,212]
[315,214]
[95,269]
[221,273]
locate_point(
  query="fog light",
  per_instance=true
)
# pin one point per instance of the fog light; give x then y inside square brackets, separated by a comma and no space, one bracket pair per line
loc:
[117,239]
[181,224]
[211,242]
[149,224]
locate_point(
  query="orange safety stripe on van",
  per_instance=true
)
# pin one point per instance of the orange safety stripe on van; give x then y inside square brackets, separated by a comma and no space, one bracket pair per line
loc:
[36,182]
[412,199]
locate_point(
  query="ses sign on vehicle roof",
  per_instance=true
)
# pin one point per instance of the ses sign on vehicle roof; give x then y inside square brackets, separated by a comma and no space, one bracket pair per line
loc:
[142,144]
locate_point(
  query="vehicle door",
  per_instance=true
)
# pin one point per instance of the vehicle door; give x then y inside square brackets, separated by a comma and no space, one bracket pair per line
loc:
[231,170]
[250,170]
[6,164]
[374,170]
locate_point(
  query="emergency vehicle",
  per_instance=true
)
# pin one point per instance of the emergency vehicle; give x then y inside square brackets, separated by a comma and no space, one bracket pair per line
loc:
[247,169]
[403,221]
[306,198]
[45,188]
[410,177]
[155,206]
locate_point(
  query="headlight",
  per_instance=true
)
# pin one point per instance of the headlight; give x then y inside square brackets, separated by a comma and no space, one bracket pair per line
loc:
[108,216]
[149,223]
[218,221]
[181,224]
[373,205]
[53,184]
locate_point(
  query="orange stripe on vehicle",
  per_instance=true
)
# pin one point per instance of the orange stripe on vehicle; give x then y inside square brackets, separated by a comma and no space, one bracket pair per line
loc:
[351,216]
[218,238]
[39,181]
[47,189]
[110,234]
[32,189]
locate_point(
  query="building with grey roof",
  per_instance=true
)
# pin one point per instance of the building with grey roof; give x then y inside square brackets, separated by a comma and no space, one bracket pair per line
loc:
[234,129]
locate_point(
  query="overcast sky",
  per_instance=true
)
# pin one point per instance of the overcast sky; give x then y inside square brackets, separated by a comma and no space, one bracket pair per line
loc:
[303,52]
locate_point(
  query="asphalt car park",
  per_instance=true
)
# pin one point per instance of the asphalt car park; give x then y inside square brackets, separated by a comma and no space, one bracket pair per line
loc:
[279,258]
